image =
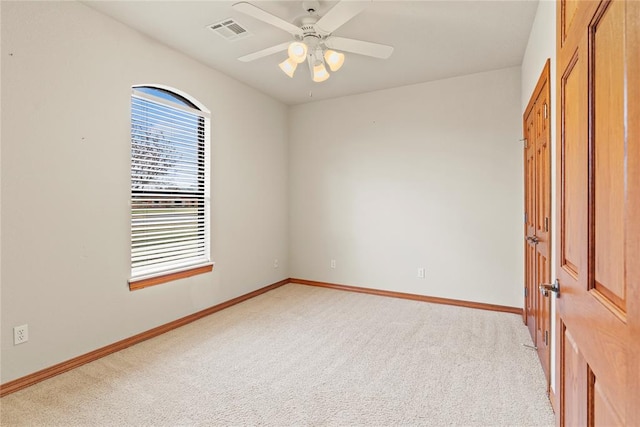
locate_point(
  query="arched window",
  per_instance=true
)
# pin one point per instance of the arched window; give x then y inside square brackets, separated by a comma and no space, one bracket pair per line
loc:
[169,187]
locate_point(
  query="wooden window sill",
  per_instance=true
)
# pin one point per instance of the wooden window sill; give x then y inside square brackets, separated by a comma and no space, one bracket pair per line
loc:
[135,284]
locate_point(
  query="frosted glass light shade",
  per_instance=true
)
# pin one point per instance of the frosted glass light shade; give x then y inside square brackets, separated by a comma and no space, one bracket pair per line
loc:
[297,52]
[320,73]
[334,59]
[288,66]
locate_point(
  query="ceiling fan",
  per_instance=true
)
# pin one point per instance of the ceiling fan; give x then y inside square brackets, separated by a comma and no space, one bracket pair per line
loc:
[314,41]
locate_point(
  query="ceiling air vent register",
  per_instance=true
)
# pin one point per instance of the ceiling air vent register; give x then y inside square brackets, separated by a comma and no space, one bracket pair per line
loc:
[229,29]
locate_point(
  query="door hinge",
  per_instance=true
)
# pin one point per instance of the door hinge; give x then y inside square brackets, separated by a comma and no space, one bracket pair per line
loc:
[525,217]
[546,338]
[526,144]
[526,292]
[546,115]
[546,223]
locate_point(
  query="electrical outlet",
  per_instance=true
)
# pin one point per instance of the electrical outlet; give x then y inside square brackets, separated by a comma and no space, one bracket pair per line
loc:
[275,263]
[20,334]
[421,273]
[333,263]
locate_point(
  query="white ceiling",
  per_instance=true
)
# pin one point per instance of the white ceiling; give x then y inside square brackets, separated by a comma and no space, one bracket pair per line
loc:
[432,40]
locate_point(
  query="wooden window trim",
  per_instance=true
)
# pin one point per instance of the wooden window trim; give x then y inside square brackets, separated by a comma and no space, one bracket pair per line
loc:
[157,255]
[135,284]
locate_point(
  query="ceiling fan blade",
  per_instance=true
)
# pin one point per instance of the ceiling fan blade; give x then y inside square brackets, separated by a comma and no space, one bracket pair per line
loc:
[265,52]
[256,12]
[340,14]
[360,47]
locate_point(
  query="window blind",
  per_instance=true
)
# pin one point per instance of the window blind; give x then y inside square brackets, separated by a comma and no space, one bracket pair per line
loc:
[169,197]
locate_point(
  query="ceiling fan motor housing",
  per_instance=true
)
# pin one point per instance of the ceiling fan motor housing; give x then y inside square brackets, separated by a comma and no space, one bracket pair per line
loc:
[310,35]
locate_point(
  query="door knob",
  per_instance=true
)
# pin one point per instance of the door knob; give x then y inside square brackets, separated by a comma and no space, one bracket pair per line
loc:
[545,288]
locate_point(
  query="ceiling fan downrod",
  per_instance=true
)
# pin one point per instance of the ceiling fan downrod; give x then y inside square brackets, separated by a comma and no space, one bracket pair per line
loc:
[310,6]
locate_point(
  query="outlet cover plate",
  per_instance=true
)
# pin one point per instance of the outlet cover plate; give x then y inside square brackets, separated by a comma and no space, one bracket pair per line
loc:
[20,334]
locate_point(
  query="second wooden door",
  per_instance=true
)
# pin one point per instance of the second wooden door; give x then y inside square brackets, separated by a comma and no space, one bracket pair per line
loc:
[538,217]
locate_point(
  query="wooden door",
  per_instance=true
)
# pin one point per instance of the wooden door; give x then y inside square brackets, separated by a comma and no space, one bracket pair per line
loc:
[530,289]
[598,215]
[538,217]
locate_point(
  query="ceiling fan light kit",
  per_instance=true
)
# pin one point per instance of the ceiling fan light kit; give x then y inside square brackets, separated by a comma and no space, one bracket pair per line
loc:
[320,73]
[317,58]
[314,40]
[288,66]
[297,52]
[334,59]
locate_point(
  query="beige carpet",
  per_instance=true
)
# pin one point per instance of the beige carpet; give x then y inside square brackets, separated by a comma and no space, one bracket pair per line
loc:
[301,355]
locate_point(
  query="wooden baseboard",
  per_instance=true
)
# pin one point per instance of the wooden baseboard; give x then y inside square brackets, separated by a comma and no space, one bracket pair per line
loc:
[36,377]
[414,297]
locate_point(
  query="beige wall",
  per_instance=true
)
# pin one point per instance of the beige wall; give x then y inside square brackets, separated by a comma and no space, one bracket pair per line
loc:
[423,176]
[66,77]
[428,175]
